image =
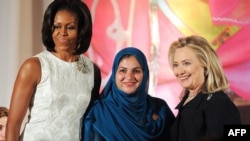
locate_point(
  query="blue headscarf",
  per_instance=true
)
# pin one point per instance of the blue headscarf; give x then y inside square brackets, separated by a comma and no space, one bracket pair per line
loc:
[121,116]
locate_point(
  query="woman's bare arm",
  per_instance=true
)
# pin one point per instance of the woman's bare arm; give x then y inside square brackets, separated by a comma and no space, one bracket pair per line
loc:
[28,77]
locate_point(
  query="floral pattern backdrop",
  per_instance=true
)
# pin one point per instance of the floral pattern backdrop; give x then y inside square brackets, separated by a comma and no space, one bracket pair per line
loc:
[151,25]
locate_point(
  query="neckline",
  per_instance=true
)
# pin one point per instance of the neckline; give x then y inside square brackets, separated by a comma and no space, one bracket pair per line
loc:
[59,59]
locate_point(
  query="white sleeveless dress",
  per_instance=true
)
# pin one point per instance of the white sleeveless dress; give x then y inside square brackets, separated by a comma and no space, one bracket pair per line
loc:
[60,100]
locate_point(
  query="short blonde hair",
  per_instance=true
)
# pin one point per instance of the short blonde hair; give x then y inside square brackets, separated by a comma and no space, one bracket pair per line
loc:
[215,79]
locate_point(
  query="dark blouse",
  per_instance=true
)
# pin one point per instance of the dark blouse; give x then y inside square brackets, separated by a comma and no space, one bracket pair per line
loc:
[204,117]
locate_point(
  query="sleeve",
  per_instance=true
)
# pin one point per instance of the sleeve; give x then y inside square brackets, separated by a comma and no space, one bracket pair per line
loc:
[164,108]
[88,133]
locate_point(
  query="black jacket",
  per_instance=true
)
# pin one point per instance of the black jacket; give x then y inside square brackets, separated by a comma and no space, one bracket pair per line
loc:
[204,117]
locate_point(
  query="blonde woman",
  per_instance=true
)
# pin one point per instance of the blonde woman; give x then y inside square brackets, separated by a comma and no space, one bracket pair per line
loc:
[204,108]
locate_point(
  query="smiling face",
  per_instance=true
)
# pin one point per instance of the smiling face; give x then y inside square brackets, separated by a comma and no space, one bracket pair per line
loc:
[188,69]
[65,31]
[129,74]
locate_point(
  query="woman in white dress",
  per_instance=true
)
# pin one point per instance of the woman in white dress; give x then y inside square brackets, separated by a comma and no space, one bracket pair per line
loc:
[57,85]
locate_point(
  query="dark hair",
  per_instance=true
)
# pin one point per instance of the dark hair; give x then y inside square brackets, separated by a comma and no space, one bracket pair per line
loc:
[84,23]
[4,112]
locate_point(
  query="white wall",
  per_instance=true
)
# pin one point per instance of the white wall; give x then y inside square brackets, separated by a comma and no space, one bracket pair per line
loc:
[20,38]
[4,51]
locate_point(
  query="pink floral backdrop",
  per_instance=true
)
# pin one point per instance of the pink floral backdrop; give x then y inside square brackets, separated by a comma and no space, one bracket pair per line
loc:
[151,25]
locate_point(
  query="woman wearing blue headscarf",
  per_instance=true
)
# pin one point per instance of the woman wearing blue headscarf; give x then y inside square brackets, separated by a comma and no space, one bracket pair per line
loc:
[125,111]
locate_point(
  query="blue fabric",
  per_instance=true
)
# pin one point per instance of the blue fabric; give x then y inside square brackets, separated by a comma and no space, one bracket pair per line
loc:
[119,116]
